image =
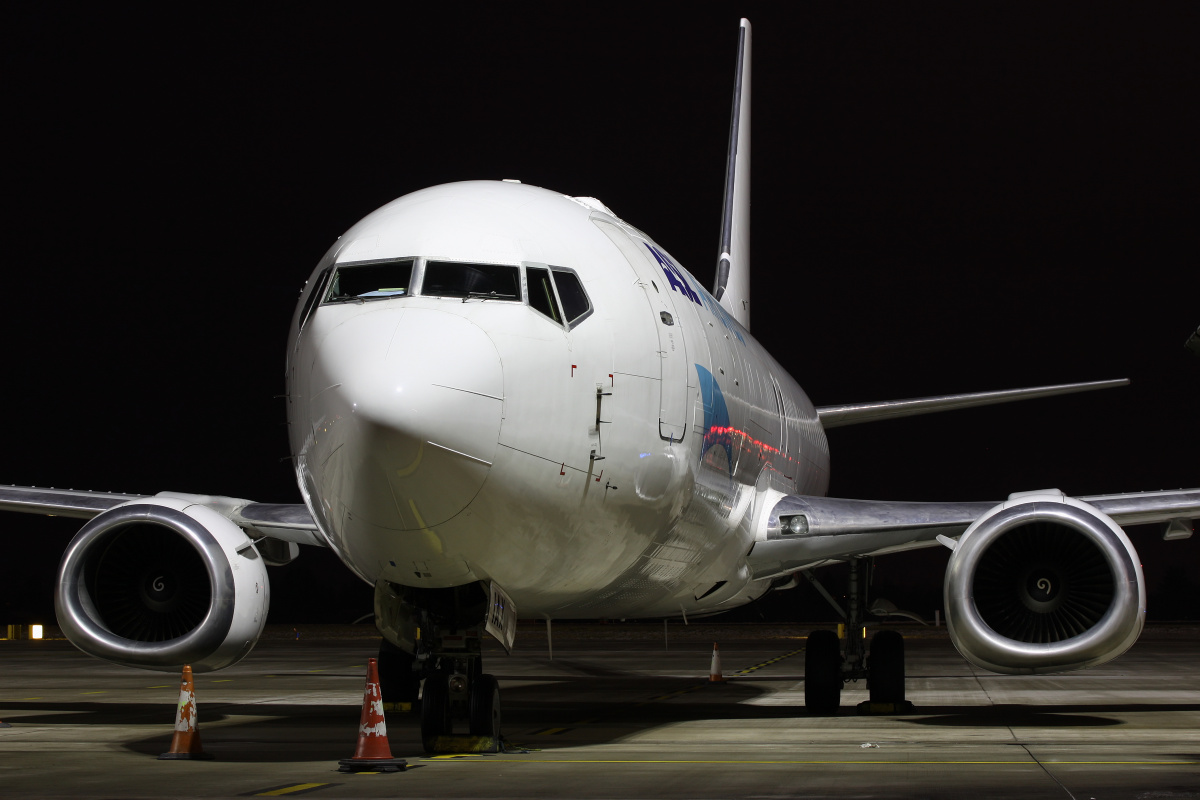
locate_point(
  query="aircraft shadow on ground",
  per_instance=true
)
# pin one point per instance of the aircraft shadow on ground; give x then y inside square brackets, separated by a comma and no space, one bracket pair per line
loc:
[1081,715]
[593,709]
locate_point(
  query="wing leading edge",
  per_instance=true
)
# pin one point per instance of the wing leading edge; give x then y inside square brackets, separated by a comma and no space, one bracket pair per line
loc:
[287,522]
[838,527]
[854,413]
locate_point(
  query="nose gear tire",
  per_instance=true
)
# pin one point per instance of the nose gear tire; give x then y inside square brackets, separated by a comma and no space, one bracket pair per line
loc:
[435,711]
[485,706]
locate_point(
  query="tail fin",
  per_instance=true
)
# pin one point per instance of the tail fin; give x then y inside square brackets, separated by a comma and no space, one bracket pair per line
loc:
[732,287]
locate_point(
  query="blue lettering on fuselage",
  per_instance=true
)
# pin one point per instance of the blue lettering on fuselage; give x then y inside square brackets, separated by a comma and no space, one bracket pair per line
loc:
[679,281]
[674,276]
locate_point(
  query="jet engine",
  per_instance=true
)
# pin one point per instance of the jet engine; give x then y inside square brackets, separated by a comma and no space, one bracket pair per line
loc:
[161,582]
[1044,583]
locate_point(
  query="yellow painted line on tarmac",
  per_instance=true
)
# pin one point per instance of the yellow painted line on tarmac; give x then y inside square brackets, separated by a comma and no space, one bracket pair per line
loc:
[452,756]
[223,680]
[769,662]
[23,699]
[164,686]
[298,788]
[100,692]
[1026,763]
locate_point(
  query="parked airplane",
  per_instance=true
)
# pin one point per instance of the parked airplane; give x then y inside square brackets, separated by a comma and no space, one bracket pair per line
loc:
[502,399]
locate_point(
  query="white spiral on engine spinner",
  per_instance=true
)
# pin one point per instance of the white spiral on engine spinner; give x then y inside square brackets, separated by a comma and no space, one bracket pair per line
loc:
[158,584]
[1044,585]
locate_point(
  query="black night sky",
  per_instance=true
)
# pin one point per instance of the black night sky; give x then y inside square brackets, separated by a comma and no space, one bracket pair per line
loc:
[947,197]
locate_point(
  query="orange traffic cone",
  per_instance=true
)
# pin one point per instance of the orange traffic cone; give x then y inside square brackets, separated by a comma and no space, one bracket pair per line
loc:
[185,744]
[373,752]
[714,672]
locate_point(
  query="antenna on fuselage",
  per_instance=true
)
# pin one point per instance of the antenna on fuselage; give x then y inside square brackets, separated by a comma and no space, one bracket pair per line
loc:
[732,285]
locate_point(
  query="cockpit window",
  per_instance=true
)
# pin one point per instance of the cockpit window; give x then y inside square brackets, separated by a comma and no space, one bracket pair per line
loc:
[317,291]
[558,293]
[372,281]
[541,293]
[485,281]
[574,299]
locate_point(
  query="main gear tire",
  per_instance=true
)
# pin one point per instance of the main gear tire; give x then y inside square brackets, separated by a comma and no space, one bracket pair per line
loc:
[823,673]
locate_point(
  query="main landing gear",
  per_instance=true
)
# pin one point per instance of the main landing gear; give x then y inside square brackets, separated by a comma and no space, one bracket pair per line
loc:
[827,666]
[434,636]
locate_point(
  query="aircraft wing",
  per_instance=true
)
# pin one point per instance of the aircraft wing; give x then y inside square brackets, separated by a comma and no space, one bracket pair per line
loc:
[838,528]
[287,522]
[855,413]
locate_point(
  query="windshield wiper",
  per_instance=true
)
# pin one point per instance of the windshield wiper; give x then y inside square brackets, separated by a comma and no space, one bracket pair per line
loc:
[490,296]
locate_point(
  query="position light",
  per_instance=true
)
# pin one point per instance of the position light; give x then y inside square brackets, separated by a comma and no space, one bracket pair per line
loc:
[35,631]
[796,524]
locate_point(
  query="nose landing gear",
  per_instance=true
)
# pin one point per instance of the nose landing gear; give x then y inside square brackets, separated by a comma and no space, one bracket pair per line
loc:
[435,636]
[465,692]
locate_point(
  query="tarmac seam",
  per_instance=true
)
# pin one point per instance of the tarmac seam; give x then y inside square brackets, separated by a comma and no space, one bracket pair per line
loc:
[289,789]
[1048,773]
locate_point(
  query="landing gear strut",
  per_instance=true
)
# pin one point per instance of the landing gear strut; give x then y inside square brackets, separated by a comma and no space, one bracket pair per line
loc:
[827,666]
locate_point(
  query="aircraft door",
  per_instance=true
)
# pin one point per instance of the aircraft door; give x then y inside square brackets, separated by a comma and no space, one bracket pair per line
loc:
[672,350]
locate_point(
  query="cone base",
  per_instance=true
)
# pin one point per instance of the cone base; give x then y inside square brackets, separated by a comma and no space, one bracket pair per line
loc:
[717,679]
[372,765]
[185,757]
[5,725]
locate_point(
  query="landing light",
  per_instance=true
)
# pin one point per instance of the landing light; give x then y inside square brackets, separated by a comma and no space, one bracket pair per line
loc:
[795,525]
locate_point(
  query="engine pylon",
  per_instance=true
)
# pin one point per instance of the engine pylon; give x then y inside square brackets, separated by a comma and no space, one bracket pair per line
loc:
[372,753]
[185,744]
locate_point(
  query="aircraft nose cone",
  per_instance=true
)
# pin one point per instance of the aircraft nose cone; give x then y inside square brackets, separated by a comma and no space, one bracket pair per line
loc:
[420,393]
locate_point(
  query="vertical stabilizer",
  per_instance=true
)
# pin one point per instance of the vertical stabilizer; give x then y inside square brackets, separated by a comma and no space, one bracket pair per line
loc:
[732,287]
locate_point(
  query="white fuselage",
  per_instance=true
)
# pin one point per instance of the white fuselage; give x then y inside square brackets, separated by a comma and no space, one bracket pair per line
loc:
[443,440]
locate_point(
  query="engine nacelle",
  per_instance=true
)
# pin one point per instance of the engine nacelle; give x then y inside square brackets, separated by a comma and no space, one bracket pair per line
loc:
[161,582]
[1044,583]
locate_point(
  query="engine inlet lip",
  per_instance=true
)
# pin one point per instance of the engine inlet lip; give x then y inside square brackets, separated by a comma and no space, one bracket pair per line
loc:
[989,647]
[81,622]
